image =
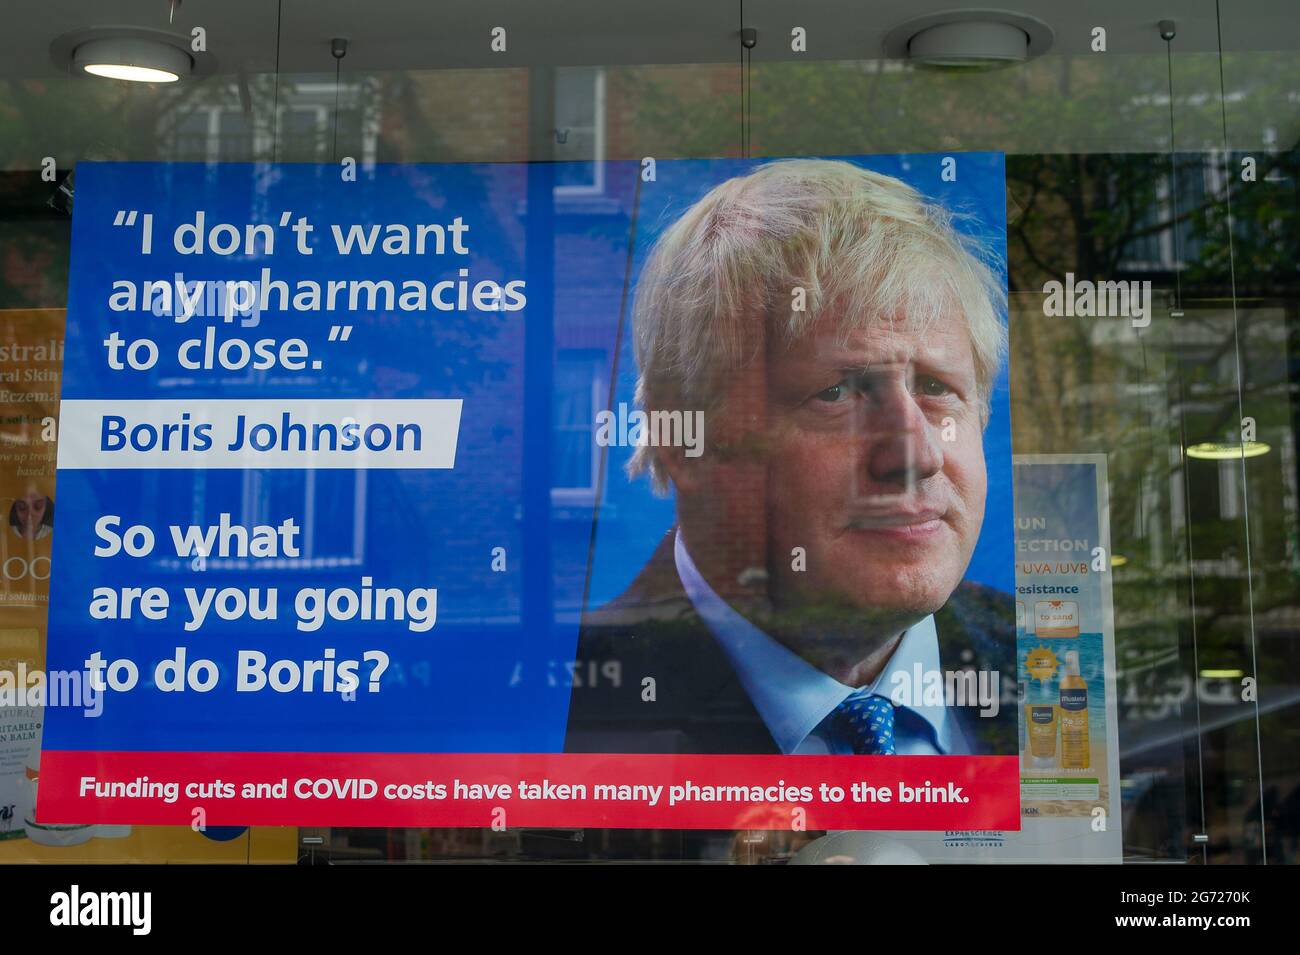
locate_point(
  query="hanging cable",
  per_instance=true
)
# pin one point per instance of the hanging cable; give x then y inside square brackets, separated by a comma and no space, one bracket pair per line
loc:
[275,103]
[1167,33]
[749,95]
[338,50]
[748,40]
[1241,415]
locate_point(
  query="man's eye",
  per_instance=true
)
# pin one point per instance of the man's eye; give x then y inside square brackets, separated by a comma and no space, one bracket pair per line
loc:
[931,386]
[834,394]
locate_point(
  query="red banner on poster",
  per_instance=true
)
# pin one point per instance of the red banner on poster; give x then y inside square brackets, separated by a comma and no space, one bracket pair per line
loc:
[533,789]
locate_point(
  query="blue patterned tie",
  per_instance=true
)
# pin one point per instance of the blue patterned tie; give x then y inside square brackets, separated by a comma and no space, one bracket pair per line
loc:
[867,722]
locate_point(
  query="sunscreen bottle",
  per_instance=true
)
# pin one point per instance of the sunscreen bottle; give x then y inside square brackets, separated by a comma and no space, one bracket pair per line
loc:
[1075,751]
[1040,727]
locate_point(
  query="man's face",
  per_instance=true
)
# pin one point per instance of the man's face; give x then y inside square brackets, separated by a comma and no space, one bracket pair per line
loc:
[876,466]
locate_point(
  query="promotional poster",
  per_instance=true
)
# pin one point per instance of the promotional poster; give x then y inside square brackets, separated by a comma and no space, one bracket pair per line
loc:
[440,495]
[1065,693]
[1065,637]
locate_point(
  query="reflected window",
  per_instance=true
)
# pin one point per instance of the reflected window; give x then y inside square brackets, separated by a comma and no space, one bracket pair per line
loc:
[580,131]
[580,381]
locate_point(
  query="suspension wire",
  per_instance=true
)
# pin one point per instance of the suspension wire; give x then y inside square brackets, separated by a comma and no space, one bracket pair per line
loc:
[1182,435]
[1173,181]
[334,149]
[275,105]
[1241,413]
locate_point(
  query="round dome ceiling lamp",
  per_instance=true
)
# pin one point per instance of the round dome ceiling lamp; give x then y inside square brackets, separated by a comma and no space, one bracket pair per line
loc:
[969,39]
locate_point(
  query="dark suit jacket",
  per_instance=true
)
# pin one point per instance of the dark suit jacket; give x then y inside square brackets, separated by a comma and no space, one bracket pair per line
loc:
[700,705]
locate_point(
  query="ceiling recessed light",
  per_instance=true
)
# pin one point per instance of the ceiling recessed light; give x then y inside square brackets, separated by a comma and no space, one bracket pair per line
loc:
[969,39]
[133,59]
[969,44]
[132,74]
[134,54]
[1225,451]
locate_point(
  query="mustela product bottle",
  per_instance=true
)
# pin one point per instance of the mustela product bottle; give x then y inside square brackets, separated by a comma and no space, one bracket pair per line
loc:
[1040,727]
[1075,751]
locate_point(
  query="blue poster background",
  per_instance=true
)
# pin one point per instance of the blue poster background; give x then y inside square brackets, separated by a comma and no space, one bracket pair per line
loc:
[494,674]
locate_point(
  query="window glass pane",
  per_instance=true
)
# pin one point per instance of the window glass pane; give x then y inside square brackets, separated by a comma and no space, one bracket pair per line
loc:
[1170,167]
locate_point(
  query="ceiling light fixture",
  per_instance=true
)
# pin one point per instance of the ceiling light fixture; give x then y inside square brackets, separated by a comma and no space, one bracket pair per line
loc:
[133,60]
[133,54]
[969,39]
[1223,451]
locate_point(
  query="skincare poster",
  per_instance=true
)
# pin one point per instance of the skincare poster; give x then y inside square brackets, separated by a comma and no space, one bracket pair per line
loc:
[1065,681]
[1064,637]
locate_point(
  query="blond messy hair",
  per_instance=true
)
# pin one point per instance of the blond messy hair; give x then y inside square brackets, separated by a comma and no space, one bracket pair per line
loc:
[866,244]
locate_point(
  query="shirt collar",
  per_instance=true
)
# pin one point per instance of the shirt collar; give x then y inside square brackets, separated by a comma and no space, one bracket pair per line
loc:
[791,695]
[917,655]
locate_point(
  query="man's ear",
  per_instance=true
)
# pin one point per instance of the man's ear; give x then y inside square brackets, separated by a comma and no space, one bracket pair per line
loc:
[684,472]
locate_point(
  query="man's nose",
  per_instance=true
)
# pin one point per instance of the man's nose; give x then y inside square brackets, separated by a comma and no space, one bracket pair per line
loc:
[902,447]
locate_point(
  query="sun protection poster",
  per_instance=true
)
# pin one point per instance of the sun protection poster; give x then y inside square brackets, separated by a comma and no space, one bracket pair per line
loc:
[351,533]
[31,347]
[31,353]
[1065,691]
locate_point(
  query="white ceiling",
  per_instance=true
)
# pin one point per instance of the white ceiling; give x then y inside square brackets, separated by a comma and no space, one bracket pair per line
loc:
[436,34]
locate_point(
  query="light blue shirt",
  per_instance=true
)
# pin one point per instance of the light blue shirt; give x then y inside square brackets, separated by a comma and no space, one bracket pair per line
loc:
[793,697]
